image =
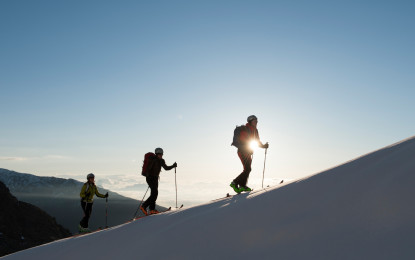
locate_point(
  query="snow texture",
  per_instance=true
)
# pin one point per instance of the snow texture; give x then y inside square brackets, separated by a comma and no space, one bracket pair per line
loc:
[363,209]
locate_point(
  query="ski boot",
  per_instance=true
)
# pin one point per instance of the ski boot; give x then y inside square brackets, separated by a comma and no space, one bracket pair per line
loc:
[235,187]
[153,211]
[245,188]
[83,230]
[143,210]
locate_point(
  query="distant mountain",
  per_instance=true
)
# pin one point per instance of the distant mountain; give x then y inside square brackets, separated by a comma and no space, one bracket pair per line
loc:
[60,198]
[23,225]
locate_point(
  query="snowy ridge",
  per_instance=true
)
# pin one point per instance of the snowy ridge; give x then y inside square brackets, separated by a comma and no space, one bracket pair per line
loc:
[359,210]
[386,147]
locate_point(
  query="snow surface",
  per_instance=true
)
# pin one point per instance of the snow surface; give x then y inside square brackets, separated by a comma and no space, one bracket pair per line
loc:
[363,209]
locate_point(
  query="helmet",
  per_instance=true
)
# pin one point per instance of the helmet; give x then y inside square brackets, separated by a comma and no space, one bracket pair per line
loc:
[251,118]
[91,175]
[158,151]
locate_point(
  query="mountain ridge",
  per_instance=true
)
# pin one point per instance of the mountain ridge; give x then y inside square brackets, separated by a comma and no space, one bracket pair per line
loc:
[59,197]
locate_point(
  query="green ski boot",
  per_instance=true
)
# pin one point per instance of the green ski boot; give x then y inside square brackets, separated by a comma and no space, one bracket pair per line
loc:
[245,188]
[83,230]
[235,187]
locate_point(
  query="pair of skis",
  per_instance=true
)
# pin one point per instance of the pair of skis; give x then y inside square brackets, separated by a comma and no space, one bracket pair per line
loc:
[230,196]
[169,209]
[84,232]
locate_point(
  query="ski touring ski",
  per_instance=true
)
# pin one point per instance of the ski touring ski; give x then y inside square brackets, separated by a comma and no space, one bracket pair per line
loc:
[84,231]
[153,214]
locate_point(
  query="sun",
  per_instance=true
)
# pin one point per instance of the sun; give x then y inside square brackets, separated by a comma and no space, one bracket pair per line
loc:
[253,145]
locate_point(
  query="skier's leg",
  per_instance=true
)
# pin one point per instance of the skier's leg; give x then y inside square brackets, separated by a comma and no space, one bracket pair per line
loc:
[146,203]
[153,184]
[83,221]
[153,202]
[247,171]
[88,212]
[154,194]
[246,160]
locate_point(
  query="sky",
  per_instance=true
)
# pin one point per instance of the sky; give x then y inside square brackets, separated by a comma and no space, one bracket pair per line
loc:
[91,86]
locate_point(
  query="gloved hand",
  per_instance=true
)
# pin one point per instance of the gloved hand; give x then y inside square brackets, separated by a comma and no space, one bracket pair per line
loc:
[265,146]
[175,165]
[106,195]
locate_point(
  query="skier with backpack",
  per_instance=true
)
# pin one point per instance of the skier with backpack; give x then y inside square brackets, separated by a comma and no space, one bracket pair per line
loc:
[151,170]
[243,136]
[87,200]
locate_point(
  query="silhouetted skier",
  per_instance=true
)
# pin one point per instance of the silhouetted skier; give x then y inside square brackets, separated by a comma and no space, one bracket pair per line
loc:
[243,136]
[152,173]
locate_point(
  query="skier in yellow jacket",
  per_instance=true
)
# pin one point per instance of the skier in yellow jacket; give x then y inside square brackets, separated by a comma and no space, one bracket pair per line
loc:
[87,200]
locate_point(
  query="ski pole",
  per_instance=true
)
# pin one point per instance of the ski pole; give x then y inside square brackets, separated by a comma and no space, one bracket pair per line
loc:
[263,173]
[135,214]
[175,182]
[106,212]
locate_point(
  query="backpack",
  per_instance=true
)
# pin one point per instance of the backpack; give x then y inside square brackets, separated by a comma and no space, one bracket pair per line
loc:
[148,157]
[236,135]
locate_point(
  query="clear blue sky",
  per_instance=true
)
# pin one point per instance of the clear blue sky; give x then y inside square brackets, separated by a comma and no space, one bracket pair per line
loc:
[91,86]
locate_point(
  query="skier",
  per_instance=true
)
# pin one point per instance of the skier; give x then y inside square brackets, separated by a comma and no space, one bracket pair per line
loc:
[248,133]
[87,200]
[152,174]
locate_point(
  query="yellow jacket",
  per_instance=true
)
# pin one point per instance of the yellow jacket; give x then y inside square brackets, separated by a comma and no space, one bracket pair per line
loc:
[88,191]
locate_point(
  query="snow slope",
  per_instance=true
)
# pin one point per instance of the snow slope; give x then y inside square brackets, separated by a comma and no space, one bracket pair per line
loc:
[363,209]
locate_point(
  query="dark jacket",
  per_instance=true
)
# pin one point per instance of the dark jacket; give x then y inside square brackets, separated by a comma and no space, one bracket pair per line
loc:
[154,167]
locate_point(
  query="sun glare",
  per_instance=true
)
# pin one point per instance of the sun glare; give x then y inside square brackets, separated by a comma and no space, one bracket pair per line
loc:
[253,145]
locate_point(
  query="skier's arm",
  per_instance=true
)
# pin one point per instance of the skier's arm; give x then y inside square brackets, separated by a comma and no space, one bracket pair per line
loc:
[265,146]
[98,194]
[168,168]
[259,141]
[260,144]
